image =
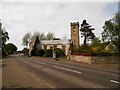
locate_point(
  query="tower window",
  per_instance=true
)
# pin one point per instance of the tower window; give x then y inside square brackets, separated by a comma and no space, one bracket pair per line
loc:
[73,26]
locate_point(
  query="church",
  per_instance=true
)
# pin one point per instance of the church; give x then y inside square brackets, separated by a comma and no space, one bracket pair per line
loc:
[62,44]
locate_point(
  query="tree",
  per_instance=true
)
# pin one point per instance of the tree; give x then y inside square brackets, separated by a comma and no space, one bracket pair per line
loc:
[50,36]
[86,31]
[4,38]
[40,35]
[95,41]
[10,48]
[26,39]
[111,31]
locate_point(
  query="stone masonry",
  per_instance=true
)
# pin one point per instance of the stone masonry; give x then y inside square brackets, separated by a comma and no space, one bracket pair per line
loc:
[75,33]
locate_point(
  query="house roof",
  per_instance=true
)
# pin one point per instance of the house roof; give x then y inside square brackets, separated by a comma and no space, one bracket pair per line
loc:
[55,42]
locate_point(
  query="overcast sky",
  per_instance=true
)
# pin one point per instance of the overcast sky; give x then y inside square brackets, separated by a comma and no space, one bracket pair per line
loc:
[21,17]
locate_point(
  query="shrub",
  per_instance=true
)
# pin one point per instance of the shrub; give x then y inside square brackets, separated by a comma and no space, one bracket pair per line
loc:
[59,52]
[48,53]
[35,52]
[40,53]
[25,51]
[85,49]
[101,54]
[10,48]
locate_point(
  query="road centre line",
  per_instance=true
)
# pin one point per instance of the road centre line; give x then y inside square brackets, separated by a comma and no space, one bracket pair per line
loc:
[115,81]
[67,69]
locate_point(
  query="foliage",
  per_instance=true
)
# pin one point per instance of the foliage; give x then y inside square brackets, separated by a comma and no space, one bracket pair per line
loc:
[35,52]
[41,53]
[59,52]
[50,36]
[37,42]
[48,53]
[101,54]
[85,48]
[86,31]
[10,48]
[111,31]
[25,51]
[4,38]
[40,35]
[26,39]
[56,38]
[95,41]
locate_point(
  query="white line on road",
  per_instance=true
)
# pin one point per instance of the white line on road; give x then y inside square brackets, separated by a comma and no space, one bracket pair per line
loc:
[115,81]
[68,69]
[39,62]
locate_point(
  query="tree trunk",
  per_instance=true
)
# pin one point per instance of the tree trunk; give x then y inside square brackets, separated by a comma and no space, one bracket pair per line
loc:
[85,40]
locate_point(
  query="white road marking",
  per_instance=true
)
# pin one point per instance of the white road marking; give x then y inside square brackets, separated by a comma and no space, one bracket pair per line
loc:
[39,62]
[68,69]
[115,81]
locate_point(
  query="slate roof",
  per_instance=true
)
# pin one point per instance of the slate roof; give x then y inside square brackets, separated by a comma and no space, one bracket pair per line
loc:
[55,42]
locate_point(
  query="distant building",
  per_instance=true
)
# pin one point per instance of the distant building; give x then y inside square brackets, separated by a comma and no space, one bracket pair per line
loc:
[51,44]
[62,44]
[75,33]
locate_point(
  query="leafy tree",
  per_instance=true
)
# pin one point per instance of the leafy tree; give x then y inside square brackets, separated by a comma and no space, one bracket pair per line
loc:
[10,48]
[4,38]
[111,31]
[50,36]
[40,35]
[95,41]
[86,31]
[26,39]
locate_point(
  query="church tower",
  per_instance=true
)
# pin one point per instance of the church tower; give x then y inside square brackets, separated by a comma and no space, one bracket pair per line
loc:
[75,33]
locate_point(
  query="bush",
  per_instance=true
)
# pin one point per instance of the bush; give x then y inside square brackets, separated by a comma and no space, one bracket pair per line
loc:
[49,53]
[59,52]
[37,52]
[101,54]
[10,48]
[84,49]
[40,52]
[25,51]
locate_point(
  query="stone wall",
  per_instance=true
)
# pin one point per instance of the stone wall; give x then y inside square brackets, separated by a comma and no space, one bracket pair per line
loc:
[95,60]
[105,60]
[83,59]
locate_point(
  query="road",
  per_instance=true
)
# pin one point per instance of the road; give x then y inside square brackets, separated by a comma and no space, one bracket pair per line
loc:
[60,74]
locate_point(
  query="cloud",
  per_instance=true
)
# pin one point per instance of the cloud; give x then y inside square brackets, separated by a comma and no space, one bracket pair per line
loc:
[19,18]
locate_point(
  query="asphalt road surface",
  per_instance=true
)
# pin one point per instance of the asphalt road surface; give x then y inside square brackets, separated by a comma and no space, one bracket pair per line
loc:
[57,74]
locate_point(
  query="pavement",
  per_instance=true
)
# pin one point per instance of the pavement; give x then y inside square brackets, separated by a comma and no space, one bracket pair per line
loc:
[35,72]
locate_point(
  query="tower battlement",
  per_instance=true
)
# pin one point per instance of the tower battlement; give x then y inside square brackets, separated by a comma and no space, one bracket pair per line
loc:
[74,23]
